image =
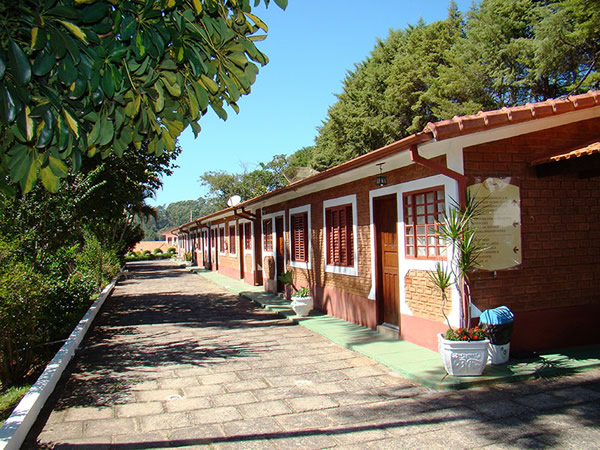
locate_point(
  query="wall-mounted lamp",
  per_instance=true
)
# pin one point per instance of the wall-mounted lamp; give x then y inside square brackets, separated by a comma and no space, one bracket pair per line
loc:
[381,179]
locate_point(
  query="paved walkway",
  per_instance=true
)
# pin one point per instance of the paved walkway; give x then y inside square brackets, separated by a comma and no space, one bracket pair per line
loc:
[177,361]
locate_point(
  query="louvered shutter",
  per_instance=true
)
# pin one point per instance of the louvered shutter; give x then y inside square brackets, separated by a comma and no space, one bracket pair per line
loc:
[300,237]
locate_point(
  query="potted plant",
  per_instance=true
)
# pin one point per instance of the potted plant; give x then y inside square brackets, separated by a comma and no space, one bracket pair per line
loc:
[464,351]
[302,301]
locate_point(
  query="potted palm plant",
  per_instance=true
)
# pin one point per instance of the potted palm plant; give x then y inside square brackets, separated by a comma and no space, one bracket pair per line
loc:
[464,351]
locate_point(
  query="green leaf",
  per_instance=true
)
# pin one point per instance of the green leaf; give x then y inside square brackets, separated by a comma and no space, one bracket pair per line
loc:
[71,123]
[209,84]
[94,12]
[56,165]
[139,48]
[238,59]
[128,27]
[259,23]
[78,88]
[8,111]
[31,174]
[107,132]
[201,95]
[39,38]
[19,63]
[107,82]
[195,128]
[50,180]
[282,3]
[2,68]
[67,71]
[43,63]
[174,89]
[75,30]
[19,162]
[159,102]
[219,110]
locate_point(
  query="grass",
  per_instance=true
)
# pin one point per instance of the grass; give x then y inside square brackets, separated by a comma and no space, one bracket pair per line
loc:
[9,399]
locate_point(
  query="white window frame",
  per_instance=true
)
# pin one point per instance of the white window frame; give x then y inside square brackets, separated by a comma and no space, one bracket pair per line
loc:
[299,210]
[222,251]
[331,268]
[229,238]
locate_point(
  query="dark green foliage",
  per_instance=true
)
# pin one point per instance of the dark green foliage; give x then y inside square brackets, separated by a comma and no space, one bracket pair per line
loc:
[501,53]
[81,78]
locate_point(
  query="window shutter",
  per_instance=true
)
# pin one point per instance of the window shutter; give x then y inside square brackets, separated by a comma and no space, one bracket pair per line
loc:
[300,237]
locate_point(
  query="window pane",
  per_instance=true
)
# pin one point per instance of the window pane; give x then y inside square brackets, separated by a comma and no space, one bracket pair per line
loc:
[430,230]
[420,231]
[421,251]
[431,251]
[409,230]
[430,208]
[410,251]
[410,240]
[430,197]
[440,194]
[420,210]
[419,199]
[409,219]
[430,219]
[432,240]
[408,199]
[421,240]
[420,220]
[442,251]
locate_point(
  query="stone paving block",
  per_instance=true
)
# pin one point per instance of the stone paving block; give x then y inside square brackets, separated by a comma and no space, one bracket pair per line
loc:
[312,403]
[314,421]
[251,429]
[177,383]
[152,440]
[139,409]
[66,430]
[114,426]
[577,394]
[215,415]
[203,391]
[165,421]
[258,444]
[88,413]
[264,409]
[357,434]
[159,395]
[247,385]
[196,435]
[316,440]
[188,404]
[229,366]
[540,401]
[150,385]
[236,398]
[364,371]
[279,393]
[218,378]
[194,371]
[502,408]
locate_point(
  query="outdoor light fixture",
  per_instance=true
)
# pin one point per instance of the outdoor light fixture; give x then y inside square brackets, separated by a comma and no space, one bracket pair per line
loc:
[381,179]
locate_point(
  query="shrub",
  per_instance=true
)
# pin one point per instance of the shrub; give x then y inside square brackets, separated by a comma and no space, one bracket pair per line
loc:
[97,263]
[172,250]
[157,251]
[147,252]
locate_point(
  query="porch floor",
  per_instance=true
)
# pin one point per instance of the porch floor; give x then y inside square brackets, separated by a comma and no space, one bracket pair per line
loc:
[409,360]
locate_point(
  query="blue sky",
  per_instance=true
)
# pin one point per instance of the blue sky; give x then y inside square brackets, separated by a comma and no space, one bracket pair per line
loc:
[311,45]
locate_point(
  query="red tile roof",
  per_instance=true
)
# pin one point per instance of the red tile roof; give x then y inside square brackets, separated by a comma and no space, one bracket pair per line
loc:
[445,129]
[459,126]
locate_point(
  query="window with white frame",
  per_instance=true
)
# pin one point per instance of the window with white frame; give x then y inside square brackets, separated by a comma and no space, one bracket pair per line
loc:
[339,230]
[423,212]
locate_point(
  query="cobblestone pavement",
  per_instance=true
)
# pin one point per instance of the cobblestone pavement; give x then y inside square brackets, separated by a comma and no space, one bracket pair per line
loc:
[175,361]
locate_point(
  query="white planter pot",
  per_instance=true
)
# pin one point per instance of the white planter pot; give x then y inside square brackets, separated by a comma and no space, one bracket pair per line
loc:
[463,358]
[302,305]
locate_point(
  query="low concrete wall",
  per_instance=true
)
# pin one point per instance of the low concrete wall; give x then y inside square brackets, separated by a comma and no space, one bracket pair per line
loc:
[15,429]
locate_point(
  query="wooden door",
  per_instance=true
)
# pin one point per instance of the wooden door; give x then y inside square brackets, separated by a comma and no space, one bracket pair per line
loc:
[241,248]
[386,237]
[279,243]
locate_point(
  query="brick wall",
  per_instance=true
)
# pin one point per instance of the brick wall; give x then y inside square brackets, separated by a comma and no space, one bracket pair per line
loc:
[351,288]
[560,225]
[424,298]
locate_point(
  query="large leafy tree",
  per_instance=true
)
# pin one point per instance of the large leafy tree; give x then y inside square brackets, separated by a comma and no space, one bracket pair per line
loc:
[85,77]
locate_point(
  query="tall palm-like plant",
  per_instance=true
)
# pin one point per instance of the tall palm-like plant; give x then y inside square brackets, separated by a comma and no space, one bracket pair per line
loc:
[459,232]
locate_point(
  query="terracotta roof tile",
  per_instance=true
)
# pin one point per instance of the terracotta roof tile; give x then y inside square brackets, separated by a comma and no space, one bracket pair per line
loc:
[459,126]
[585,151]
